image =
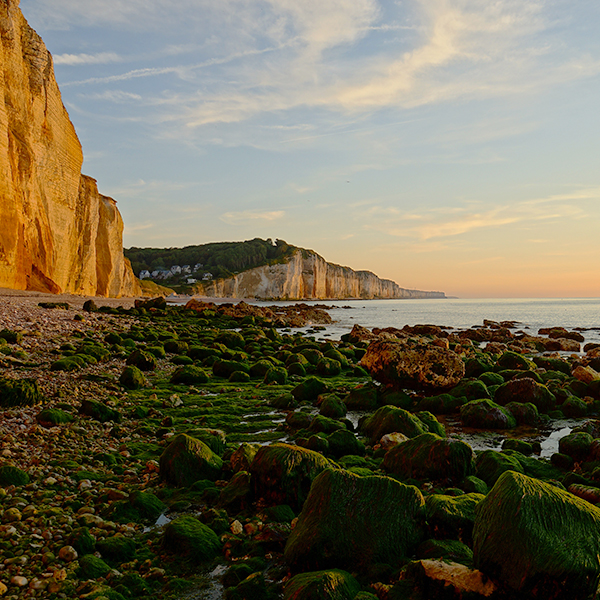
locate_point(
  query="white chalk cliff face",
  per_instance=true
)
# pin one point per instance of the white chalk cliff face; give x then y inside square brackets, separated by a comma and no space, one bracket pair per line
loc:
[306,275]
[57,233]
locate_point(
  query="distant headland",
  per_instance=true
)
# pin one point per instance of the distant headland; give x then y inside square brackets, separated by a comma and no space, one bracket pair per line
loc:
[261,269]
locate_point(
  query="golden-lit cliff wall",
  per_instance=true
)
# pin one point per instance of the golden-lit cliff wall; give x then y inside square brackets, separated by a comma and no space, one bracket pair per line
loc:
[57,233]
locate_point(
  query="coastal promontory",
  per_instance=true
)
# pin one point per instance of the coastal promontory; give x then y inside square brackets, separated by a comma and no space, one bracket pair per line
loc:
[57,232]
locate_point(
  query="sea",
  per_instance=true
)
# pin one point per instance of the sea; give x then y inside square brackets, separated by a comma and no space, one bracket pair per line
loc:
[529,314]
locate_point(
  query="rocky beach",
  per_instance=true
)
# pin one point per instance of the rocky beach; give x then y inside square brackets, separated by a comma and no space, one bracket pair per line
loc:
[212,451]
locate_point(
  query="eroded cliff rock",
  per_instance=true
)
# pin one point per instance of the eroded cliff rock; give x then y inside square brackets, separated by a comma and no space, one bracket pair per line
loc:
[57,233]
[306,275]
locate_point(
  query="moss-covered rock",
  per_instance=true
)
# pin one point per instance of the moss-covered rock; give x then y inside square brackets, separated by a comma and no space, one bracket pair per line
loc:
[239,377]
[132,378]
[328,367]
[10,475]
[19,392]
[147,505]
[186,460]
[12,337]
[53,416]
[331,406]
[186,536]
[526,390]
[431,423]
[513,360]
[343,442]
[576,445]
[189,375]
[69,363]
[83,541]
[99,411]
[574,407]
[441,404]
[452,516]
[91,567]
[362,397]
[144,361]
[533,536]
[309,390]
[283,474]
[390,419]
[351,522]
[225,368]
[491,379]
[449,550]
[324,585]
[116,549]
[429,456]
[321,424]
[491,464]
[472,389]
[486,414]
[276,375]
[526,413]
[242,457]
[176,347]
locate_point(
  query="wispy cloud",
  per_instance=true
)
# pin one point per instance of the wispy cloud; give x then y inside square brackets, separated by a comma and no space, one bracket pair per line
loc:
[102,58]
[455,221]
[252,215]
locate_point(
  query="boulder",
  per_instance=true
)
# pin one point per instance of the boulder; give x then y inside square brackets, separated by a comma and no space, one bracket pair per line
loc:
[362,397]
[411,363]
[486,414]
[390,419]
[491,464]
[282,473]
[309,390]
[452,516]
[526,390]
[189,375]
[186,536]
[325,585]
[538,539]
[576,445]
[19,392]
[187,460]
[429,456]
[351,522]
[343,442]
[526,413]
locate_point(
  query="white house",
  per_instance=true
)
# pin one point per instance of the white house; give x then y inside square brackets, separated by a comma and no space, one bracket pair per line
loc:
[207,277]
[191,280]
[186,269]
[198,266]
[144,274]
[176,270]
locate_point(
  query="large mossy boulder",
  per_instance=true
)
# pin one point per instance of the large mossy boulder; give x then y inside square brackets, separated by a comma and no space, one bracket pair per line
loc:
[186,460]
[525,413]
[11,475]
[132,378]
[514,361]
[362,397]
[390,419]
[331,406]
[188,537]
[19,392]
[412,363]
[324,585]
[428,456]
[283,474]
[99,411]
[526,390]
[343,442]
[486,414]
[225,368]
[472,389]
[576,445]
[537,539]
[352,522]
[491,464]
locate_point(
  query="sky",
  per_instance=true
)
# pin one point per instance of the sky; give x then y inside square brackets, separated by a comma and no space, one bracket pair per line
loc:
[448,145]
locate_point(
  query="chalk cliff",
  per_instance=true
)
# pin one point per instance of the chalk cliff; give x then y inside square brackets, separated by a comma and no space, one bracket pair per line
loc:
[57,233]
[306,275]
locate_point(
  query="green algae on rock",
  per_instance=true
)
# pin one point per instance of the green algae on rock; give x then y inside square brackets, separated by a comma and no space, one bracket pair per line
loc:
[350,522]
[390,419]
[283,474]
[334,584]
[486,414]
[428,456]
[187,460]
[533,536]
[19,392]
[188,537]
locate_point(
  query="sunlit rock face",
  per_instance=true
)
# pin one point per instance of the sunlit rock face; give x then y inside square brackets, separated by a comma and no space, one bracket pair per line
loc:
[57,233]
[306,275]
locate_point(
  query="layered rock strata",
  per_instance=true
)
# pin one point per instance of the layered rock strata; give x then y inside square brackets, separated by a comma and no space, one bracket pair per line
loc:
[57,233]
[306,275]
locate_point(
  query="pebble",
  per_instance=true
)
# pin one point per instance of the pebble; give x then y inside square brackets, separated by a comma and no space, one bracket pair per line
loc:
[67,553]
[236,528]
[19,581]
[11,515]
